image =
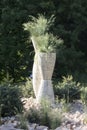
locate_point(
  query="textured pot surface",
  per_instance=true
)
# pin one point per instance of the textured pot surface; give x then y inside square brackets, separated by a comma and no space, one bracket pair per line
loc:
[45,91]
[46,62]
[36,76]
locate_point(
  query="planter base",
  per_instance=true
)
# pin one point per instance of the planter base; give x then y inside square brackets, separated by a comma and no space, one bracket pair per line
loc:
[46,91]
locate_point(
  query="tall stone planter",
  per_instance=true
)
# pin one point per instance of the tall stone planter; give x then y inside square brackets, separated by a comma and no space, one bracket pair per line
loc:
[46,62]
[42,73]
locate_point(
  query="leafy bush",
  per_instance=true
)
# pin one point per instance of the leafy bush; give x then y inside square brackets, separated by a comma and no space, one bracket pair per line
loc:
[33,115]
[45,116]
[39,29]
[55,118]
[65,106]
[27,88]
[67,89]
[10,99]
[23,122]
[45,112]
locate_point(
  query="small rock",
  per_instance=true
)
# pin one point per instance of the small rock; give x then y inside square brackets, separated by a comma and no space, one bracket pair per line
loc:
[61,128]
[41,128]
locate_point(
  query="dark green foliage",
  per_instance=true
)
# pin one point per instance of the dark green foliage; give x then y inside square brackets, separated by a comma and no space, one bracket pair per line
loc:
[71,19]
[27,88]
[33,116]
[71,25]
[14,50]
[67,89]
[10,100]
[70,62]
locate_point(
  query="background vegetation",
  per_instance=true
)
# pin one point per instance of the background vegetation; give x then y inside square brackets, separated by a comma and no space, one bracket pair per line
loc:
[16,51]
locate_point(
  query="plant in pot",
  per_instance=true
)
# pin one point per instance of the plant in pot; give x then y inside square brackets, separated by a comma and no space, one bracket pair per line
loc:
[45,45]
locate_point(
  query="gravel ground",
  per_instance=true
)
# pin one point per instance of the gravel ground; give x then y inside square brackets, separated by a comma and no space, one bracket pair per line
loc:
[75,119]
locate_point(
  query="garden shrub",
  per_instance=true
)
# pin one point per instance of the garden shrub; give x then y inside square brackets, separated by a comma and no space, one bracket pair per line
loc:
[45,115]
[23,122]
[67,89]
[10,99]
[27,88]
[55,118]
[33,115]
